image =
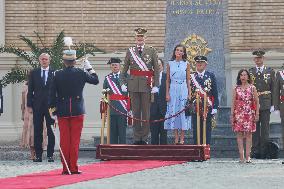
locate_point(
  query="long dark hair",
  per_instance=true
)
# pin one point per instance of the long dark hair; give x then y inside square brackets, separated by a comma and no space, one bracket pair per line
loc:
[239,76]
[184,56]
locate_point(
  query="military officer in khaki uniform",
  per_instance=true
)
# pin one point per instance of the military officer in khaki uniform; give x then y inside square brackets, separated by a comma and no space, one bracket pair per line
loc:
[279,97]
[263,78]
[142,60]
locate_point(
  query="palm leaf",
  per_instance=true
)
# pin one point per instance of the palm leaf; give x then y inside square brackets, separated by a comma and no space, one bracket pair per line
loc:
[20,53]
[56,51]
[88,49]
[19,73]
[16,75]
[34,48]
[40,39]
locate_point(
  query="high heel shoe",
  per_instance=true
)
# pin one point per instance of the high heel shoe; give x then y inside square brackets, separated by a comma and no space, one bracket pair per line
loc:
[181,142]
[248,160]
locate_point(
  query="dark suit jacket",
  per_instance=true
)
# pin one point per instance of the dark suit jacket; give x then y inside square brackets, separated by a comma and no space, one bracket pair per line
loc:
[115,103]
[66,91]
[208,83]
[37,91]
[160,105]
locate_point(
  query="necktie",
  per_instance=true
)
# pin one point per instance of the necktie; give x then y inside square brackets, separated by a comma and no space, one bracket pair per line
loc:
[200,76]
[140,50]
[115,76]
[43,76]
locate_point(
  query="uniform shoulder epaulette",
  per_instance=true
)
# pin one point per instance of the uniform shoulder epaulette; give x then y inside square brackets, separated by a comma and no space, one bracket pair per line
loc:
[153,48]
[269,68]
[57,71]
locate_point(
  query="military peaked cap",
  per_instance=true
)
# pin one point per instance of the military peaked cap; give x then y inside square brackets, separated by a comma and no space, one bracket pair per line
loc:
[69,55]
[258,53]
[114,60]
[140,31]
[200,59]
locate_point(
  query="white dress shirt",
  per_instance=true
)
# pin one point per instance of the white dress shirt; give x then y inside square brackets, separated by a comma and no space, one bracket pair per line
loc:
[260,68]
[201,74]
[46,73]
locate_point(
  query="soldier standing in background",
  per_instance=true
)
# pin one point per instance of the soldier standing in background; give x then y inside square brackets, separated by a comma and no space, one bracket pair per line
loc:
[144,80]
[204,82]
[263,78]
[118,99]
[279,97]
[1,100]
[158,110]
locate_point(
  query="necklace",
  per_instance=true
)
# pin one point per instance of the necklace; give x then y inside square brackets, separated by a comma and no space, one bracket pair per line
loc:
[178,62]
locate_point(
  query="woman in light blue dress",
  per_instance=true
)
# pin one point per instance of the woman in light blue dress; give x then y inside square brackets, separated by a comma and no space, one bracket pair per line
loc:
[177,93]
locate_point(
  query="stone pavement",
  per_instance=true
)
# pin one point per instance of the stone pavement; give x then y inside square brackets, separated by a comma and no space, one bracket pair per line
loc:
[219,173]
[216,173]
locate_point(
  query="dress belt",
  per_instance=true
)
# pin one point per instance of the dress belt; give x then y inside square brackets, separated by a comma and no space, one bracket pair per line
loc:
[263,93]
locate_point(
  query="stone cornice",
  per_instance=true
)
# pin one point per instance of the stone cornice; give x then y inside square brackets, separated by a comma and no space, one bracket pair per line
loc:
[245,60]
[99,61]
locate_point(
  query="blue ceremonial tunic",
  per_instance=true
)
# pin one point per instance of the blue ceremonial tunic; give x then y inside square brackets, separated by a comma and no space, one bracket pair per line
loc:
[66,91]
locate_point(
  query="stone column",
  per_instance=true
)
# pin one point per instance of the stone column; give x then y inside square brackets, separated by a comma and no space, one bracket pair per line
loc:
[200,26]
[2,22]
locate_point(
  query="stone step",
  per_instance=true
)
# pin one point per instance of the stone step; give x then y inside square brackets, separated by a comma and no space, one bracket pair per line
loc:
[216,140]
[223,115]
[223,129]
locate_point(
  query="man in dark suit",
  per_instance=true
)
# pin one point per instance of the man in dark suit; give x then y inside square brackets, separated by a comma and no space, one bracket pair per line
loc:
[263,78]
[119,100]
[158,110]
[67,103]
[203,82]
[39,81]
[279,98]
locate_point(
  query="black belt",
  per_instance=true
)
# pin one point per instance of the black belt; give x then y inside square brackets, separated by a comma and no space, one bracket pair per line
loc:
[72,97]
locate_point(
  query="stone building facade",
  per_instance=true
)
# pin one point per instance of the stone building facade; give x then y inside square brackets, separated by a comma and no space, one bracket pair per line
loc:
[109,25]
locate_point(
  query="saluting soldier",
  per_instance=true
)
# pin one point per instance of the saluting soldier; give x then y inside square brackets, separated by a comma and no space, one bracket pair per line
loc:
[119,100]
[204,82]
[67,103]
[279,97]
[263,78]
[142,60]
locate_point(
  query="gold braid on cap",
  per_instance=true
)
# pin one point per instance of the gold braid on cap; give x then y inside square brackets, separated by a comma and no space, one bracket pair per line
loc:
[51,110]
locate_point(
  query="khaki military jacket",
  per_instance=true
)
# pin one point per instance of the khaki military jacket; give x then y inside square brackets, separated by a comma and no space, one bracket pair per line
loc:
[279,91]
[139,83]
[264,83]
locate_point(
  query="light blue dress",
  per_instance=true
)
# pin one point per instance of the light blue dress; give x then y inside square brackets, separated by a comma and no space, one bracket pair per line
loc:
[178,96]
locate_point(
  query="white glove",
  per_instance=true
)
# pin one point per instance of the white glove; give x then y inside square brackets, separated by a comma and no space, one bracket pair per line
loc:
[124,88]
[54,117]
[272,109]
[87,64]
[154,90]
[214,111]
[277,112]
